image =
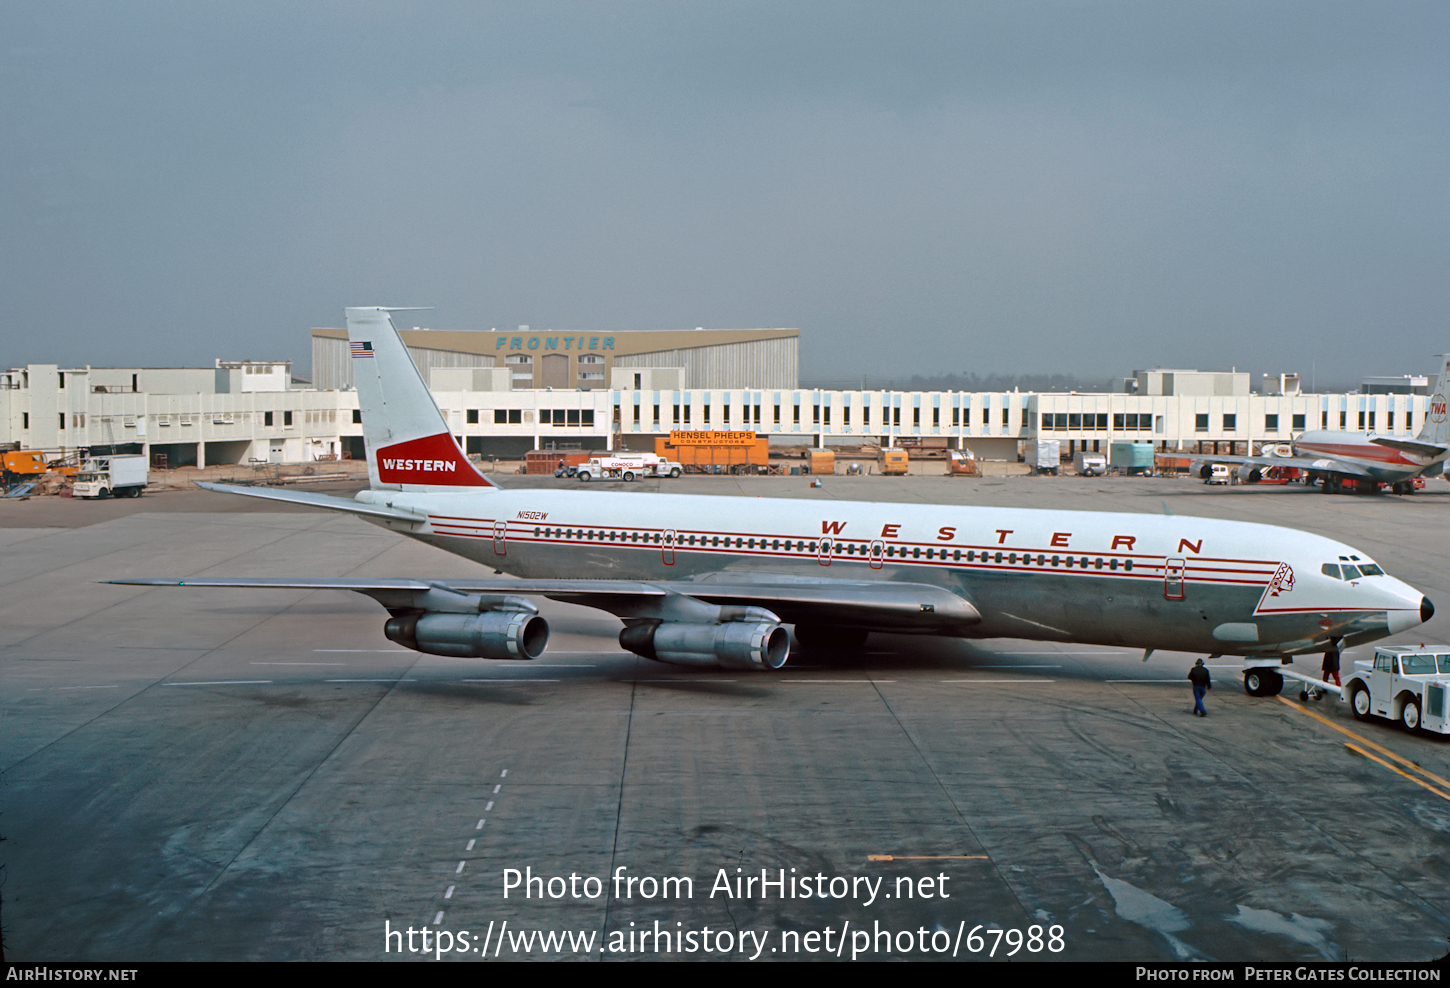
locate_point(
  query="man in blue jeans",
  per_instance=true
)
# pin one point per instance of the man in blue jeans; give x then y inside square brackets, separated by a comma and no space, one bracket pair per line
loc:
[1202,683]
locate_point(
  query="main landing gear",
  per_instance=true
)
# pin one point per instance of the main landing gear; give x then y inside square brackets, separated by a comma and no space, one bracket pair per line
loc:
[1262,682]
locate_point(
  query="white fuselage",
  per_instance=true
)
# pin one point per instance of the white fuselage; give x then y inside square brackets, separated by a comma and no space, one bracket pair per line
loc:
[1111,578]
[1385,463]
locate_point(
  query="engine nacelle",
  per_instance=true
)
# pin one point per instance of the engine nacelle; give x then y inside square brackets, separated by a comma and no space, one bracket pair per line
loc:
[489,635]
[1250,474]
[758,645]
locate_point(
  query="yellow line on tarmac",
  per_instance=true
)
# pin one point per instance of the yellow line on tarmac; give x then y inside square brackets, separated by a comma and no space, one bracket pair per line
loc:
[1358,750]
[929,857]
[1365,741]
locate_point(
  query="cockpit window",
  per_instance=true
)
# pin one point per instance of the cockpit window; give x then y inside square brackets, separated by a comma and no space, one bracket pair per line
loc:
[1350,573]
[1444,661]
[1330,569]
[1417,665]
[1370,569]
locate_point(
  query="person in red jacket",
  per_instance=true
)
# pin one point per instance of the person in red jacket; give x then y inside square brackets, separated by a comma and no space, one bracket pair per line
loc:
[1202,683]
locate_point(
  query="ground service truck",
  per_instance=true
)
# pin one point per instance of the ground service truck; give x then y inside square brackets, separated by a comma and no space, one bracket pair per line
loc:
[120,475]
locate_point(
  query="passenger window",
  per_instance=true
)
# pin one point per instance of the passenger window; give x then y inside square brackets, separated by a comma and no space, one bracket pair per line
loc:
[1330,569]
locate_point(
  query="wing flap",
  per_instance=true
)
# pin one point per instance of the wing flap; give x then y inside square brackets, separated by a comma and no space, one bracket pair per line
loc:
[1318,464]
[917,608]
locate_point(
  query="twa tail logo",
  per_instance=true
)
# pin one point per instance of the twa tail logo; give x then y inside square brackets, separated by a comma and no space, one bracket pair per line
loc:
[1283,580]
[1437,408]
[432,460]
[832,527]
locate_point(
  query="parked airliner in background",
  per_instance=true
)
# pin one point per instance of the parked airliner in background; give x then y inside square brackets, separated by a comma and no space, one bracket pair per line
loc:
[1359,461]
[710,581]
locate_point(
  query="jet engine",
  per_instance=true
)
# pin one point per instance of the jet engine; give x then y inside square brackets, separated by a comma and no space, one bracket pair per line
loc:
[486,635]
[745,638]
[1250,474]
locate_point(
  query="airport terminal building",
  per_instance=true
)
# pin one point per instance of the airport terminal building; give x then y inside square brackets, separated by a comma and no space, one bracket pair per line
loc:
[507,393]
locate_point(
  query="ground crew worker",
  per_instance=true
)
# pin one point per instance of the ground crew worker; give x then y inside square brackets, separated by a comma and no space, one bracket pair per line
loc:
[1202,683]
[1331,662]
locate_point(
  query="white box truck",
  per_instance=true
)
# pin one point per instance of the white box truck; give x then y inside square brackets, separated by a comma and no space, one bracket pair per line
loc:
[1090,464]
[119,475]
[1044,455]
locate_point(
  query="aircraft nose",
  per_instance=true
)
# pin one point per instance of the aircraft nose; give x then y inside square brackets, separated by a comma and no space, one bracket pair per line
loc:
[1427,609]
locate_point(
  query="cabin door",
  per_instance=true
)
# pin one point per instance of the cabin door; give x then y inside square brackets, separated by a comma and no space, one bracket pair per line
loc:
[667,547]
[500,535]
[878,554]
[1173,577]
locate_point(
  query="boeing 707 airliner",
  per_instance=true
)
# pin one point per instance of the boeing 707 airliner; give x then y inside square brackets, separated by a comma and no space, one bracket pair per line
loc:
[712,581]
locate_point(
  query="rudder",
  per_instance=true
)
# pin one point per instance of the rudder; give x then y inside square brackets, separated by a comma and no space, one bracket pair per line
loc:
[1437,428]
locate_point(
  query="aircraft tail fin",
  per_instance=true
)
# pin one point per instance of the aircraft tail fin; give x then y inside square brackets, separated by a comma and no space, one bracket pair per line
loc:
[1437,427]
[409,444]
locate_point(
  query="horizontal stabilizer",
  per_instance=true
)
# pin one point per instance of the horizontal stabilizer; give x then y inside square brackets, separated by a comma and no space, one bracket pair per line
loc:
[1411,446]
[327,501]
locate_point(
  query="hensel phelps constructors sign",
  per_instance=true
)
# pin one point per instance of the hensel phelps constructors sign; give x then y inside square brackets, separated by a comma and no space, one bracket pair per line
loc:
[712,438]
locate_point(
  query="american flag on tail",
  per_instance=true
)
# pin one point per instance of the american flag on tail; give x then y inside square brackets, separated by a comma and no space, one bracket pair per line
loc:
[362,349]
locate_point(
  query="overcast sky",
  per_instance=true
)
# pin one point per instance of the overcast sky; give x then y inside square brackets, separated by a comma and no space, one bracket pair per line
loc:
[922,188]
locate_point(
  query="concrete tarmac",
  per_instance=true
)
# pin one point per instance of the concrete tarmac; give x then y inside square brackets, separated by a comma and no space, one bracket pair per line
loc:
[208,774]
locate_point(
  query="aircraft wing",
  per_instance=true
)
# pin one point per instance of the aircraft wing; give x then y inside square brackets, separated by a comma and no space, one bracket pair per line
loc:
[1411,446]
[327,501]
[913,608]
[1320,464]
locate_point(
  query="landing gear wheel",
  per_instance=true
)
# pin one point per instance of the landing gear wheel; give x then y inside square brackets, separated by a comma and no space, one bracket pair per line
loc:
[1359,703]
[1410,716]
[820,638]
[1260,682]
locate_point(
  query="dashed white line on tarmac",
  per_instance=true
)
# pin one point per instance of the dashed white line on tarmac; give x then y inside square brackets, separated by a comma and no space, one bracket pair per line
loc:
[996,680]
[449,893]
[677,680]
[112,687]
[528,679]
[480,822]
[459,869]
[504,774]
[224,682]
[497,787]
[371,680]
[486,809]
[470,844]
[866,682]
[438,919]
